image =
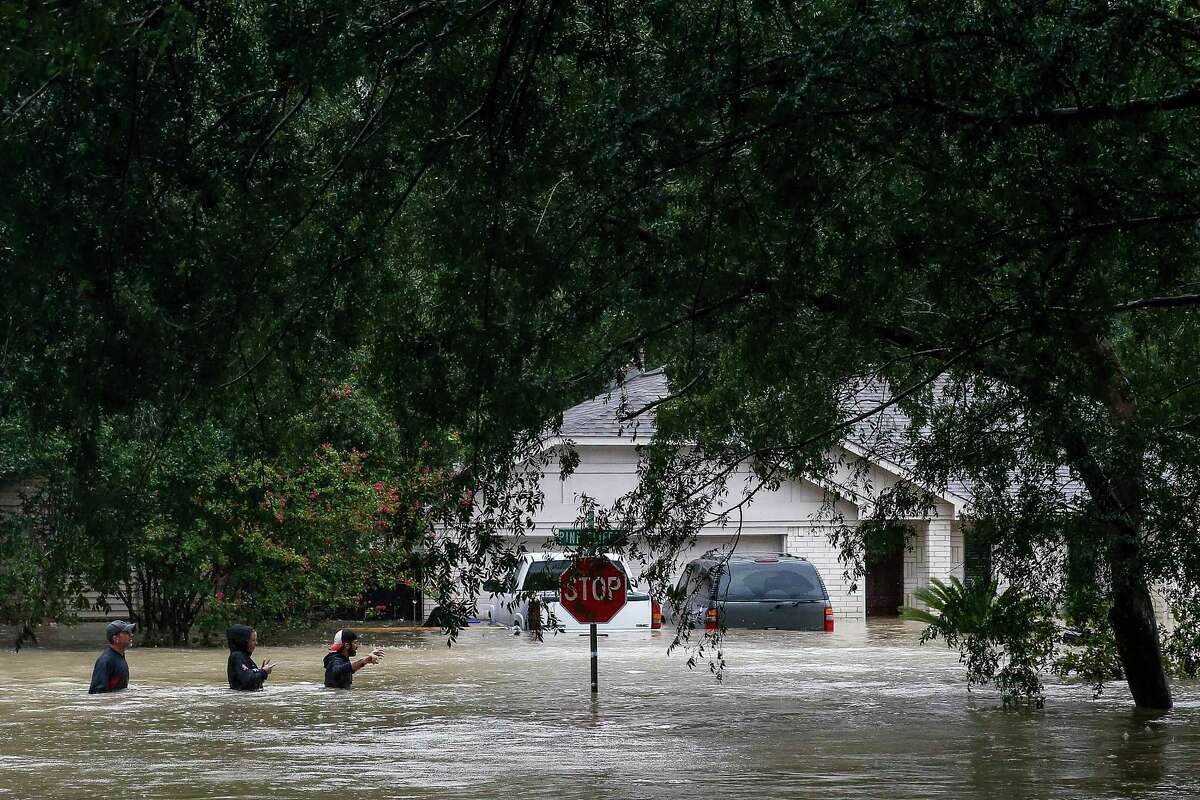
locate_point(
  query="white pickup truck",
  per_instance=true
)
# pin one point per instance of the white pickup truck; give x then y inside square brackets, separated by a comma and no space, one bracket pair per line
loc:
[509,606]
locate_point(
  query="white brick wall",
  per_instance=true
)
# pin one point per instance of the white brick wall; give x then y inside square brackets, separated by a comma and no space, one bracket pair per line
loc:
[1162,612]
[937,552]
[813,543]
[957,551]
[939,549]
[916,566]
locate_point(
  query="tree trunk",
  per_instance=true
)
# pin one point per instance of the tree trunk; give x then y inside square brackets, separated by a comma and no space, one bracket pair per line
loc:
[1135,628]
[1117,489]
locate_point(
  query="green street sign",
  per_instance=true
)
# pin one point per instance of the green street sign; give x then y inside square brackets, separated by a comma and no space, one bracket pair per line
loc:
[590,537]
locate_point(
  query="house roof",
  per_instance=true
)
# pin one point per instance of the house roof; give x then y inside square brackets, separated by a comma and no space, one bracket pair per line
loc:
[601,417]
[879,437]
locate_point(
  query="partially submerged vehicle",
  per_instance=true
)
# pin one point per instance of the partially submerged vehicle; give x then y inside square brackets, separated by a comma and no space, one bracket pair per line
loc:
[748,590]
[528,599]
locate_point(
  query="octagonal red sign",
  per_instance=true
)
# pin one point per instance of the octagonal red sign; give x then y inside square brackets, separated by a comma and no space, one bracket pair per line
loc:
[593,590]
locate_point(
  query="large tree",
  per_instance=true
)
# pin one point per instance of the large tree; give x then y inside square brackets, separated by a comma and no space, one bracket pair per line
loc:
[509,200]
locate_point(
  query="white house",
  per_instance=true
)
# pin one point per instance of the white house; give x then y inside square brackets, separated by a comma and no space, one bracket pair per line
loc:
[787,520]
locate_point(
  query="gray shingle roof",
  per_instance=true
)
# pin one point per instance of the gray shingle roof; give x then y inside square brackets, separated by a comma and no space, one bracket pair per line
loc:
[601,416]
[881,435]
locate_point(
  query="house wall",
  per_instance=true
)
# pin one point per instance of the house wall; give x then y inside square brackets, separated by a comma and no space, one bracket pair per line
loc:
[787,519]
[10,502]
[1162,611]
[812,542]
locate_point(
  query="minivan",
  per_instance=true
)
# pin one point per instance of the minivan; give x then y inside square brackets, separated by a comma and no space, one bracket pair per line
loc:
[748,590]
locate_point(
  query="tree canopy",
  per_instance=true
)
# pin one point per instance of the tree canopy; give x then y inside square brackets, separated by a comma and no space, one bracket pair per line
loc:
[504,202]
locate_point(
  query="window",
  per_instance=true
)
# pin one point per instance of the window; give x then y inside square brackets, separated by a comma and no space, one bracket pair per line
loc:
[543,576]
[785,580]
[977,558]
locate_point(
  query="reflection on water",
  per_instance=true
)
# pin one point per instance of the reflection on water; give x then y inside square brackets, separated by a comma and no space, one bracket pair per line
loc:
[863,713]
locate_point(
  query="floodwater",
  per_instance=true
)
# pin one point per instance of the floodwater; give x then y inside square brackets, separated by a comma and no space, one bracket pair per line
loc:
[864,712]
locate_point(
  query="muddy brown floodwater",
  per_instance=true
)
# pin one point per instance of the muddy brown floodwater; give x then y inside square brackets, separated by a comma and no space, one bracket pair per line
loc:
[862,713]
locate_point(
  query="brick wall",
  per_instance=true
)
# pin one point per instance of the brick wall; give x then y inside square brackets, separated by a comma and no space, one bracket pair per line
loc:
[916,566]
[812,542]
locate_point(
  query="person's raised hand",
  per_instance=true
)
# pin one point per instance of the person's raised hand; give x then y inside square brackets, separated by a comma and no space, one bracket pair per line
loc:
[376,655]
[267,666]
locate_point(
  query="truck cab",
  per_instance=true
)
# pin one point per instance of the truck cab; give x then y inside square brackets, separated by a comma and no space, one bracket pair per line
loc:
[528,597]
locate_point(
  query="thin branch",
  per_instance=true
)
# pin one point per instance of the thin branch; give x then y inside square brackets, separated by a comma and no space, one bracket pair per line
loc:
[1073,115]
[668,398]
[36,94]
[639,338]
[230,107]
[1171,301]
[279,125]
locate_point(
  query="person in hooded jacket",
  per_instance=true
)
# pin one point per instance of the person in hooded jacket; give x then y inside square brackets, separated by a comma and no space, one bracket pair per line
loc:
[242,672]
[340,664]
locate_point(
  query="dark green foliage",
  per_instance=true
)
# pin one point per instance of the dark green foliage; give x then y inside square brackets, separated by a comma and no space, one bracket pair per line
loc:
[499,205]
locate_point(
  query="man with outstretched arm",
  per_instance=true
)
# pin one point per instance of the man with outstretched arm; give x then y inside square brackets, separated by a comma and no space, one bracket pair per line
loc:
[111,673]
[244,675]
[340,664]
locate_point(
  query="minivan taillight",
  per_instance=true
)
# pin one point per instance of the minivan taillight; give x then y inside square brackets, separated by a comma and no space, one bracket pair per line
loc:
[710,620]
[829,619]
[655,615]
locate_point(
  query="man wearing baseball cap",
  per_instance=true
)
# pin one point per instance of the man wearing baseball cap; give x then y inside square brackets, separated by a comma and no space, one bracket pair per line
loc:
[339,668]
[111,673]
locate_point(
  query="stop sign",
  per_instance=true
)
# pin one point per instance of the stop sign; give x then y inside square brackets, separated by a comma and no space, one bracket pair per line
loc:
[592,590]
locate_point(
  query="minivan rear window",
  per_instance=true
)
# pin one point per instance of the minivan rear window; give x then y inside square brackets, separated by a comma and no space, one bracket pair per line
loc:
[782,580]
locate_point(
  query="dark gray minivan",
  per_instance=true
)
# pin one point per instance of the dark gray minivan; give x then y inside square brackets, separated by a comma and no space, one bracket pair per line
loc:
[770,590]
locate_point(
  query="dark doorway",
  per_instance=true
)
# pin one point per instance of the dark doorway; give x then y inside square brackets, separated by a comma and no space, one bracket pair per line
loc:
[885,582]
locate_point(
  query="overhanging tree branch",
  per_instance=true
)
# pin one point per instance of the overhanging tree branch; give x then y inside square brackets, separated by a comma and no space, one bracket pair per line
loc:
[1169,301]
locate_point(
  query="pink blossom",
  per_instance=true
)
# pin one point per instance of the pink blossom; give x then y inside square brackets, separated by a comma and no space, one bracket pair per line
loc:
[220,597]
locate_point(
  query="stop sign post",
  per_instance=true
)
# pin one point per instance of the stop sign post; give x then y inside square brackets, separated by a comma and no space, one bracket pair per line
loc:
[593,590]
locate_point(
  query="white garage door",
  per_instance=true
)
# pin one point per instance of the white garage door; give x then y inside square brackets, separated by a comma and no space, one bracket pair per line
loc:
[746,543]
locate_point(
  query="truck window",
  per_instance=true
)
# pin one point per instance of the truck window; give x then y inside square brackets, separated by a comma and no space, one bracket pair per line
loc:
[542,576]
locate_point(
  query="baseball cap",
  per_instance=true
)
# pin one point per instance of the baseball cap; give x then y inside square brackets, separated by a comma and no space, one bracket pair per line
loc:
[119,626]
[343,637]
